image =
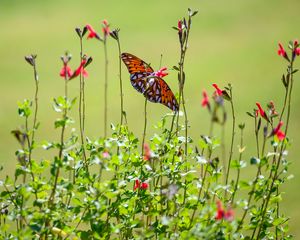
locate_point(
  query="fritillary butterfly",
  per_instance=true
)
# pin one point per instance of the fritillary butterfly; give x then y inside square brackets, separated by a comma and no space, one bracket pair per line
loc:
[143,79]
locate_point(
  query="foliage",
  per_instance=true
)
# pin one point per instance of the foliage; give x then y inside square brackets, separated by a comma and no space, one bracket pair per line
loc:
[174,187]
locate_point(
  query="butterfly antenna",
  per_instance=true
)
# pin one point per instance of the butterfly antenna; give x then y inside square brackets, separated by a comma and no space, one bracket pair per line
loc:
[160,62]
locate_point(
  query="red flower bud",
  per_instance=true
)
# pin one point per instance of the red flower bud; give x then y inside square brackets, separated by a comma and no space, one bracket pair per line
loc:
[179,26]
[218,90]
[261,112]
[92,32]
[205,99]
[66,72]
[105,28]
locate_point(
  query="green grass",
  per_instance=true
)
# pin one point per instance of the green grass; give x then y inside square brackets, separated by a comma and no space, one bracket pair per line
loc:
[231,41]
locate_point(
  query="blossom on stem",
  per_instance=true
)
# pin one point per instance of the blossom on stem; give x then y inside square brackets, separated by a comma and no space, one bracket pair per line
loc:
[81,70]
[179,25]
[218,90]
[140,185]
[105,28]
[222,213]
[205,99]
[296,48]
[66,72]
[261,112]
[92,32]
[161,72]
[147,152]
[276,131]
[281,52]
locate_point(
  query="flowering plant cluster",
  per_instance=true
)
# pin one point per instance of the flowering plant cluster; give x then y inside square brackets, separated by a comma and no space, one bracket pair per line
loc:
[164,187]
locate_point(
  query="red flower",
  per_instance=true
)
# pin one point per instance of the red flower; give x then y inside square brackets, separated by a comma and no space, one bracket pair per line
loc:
[161,72]
[282,52]
[261,112]
[81,70]
[144,185]
[147,152]
[66,72]
[296,49]
[220,211]
[205,99]
[276,131]
[105,28]
[223,214]
[218,90]
[179,26]
[92,32]
[139,185]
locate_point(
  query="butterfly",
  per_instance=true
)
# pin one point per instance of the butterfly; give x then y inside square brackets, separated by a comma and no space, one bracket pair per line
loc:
[144,80]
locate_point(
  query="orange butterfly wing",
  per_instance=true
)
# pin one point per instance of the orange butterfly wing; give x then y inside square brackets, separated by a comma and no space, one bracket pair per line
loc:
[158,91]
[139,71]
[135,64]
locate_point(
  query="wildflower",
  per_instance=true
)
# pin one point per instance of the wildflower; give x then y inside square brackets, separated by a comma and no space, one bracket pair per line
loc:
[81,70]
[296,48]
[179,26]
[276,131]
[140,185]
[147,152]
[205,99]
[282,52]
[261,112]
[66,72]
[105,28]
[223,214]
[92,32]
[161,72]
[218,90]
[105,154]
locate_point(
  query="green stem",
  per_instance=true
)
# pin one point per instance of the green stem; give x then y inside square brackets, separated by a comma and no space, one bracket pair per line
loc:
[120,78]
[105,87]
[145,127]
[239,168]
[232,138]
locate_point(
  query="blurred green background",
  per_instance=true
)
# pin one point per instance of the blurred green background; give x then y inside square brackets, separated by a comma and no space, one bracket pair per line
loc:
[231,41]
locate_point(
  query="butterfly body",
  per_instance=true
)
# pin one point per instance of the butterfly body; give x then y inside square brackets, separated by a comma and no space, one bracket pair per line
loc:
[144,80]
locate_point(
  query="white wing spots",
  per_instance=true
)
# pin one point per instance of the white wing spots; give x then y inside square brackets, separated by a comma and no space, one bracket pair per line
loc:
[169,104]
[157,91]
[151,81]
[133,77]
[140,75]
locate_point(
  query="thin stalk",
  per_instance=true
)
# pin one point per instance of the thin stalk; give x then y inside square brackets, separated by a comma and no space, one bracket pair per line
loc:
[105,87]
[121,85]
[145,126]
[62,144]
[232,137]
[239,169]
[82,108]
